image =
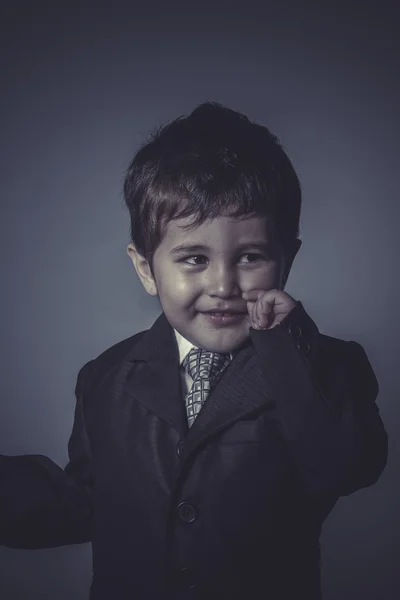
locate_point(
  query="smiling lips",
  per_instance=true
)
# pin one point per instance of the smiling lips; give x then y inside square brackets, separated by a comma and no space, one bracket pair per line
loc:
[214,312]
[227,311]
[224,318]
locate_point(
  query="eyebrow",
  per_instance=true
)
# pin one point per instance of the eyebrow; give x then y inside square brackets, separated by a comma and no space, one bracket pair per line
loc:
[263,246]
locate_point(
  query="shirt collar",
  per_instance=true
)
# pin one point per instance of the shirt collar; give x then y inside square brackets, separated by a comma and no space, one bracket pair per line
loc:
[184,346]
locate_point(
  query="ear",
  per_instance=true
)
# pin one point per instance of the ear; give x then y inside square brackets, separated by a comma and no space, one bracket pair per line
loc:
[288,259]
[143,270]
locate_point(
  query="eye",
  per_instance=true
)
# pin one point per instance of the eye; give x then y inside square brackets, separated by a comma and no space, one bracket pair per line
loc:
[258,256]
[186,259]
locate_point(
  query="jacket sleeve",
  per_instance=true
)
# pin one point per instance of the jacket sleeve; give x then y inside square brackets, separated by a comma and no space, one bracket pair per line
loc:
[42,505]
[324,392]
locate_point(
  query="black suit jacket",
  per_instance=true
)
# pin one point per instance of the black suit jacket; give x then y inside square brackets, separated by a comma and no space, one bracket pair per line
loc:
[231,508]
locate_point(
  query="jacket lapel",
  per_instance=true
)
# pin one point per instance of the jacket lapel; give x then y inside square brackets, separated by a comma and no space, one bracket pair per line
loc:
[156,383]
[240,392]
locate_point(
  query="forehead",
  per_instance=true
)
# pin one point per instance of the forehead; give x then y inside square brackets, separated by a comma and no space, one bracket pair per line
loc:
[219,233]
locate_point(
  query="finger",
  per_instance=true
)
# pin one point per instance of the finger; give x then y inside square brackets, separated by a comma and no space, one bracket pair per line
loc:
[250,310]
[254,317]
[258,312]
[267,308]
[266,314]
[275,323]
[253,295]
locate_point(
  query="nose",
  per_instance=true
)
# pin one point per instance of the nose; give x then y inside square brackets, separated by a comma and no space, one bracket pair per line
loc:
[222,281]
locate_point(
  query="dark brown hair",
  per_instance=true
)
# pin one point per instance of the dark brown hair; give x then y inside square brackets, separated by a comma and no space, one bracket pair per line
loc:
[213,162]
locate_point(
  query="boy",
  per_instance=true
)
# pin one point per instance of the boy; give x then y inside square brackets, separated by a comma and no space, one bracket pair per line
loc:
[207,451]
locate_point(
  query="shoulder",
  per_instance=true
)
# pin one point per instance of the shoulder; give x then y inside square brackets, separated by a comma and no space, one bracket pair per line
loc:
[346,361]
[118,351]
[344,350]
[332,345]
[108,359]
[333,359]
[328,348]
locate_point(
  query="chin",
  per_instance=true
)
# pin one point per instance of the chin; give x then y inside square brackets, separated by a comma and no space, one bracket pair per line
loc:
[224,347]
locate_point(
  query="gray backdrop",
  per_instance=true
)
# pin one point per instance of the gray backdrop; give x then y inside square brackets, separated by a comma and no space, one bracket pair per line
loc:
[80,86]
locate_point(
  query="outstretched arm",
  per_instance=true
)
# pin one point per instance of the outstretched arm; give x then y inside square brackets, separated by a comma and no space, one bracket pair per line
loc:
[42,505]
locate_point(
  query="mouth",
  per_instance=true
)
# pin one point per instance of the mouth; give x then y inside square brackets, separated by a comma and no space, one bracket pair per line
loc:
[227,318]
[229,312]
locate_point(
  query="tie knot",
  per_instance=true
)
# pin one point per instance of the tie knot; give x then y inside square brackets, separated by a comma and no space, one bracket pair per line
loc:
[201,363]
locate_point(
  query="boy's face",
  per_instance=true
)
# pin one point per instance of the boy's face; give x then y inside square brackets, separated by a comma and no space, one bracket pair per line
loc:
[192,281]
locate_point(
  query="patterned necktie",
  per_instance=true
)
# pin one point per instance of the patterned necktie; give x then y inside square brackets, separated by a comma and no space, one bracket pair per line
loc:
[203,366]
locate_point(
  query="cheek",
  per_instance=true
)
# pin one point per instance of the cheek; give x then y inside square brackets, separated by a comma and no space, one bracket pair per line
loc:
[262,278]
[181,288]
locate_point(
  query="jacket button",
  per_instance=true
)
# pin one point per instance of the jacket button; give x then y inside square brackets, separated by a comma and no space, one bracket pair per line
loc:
[186,578]
[187,512]
[295,330]
[179,448]
[304,347]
